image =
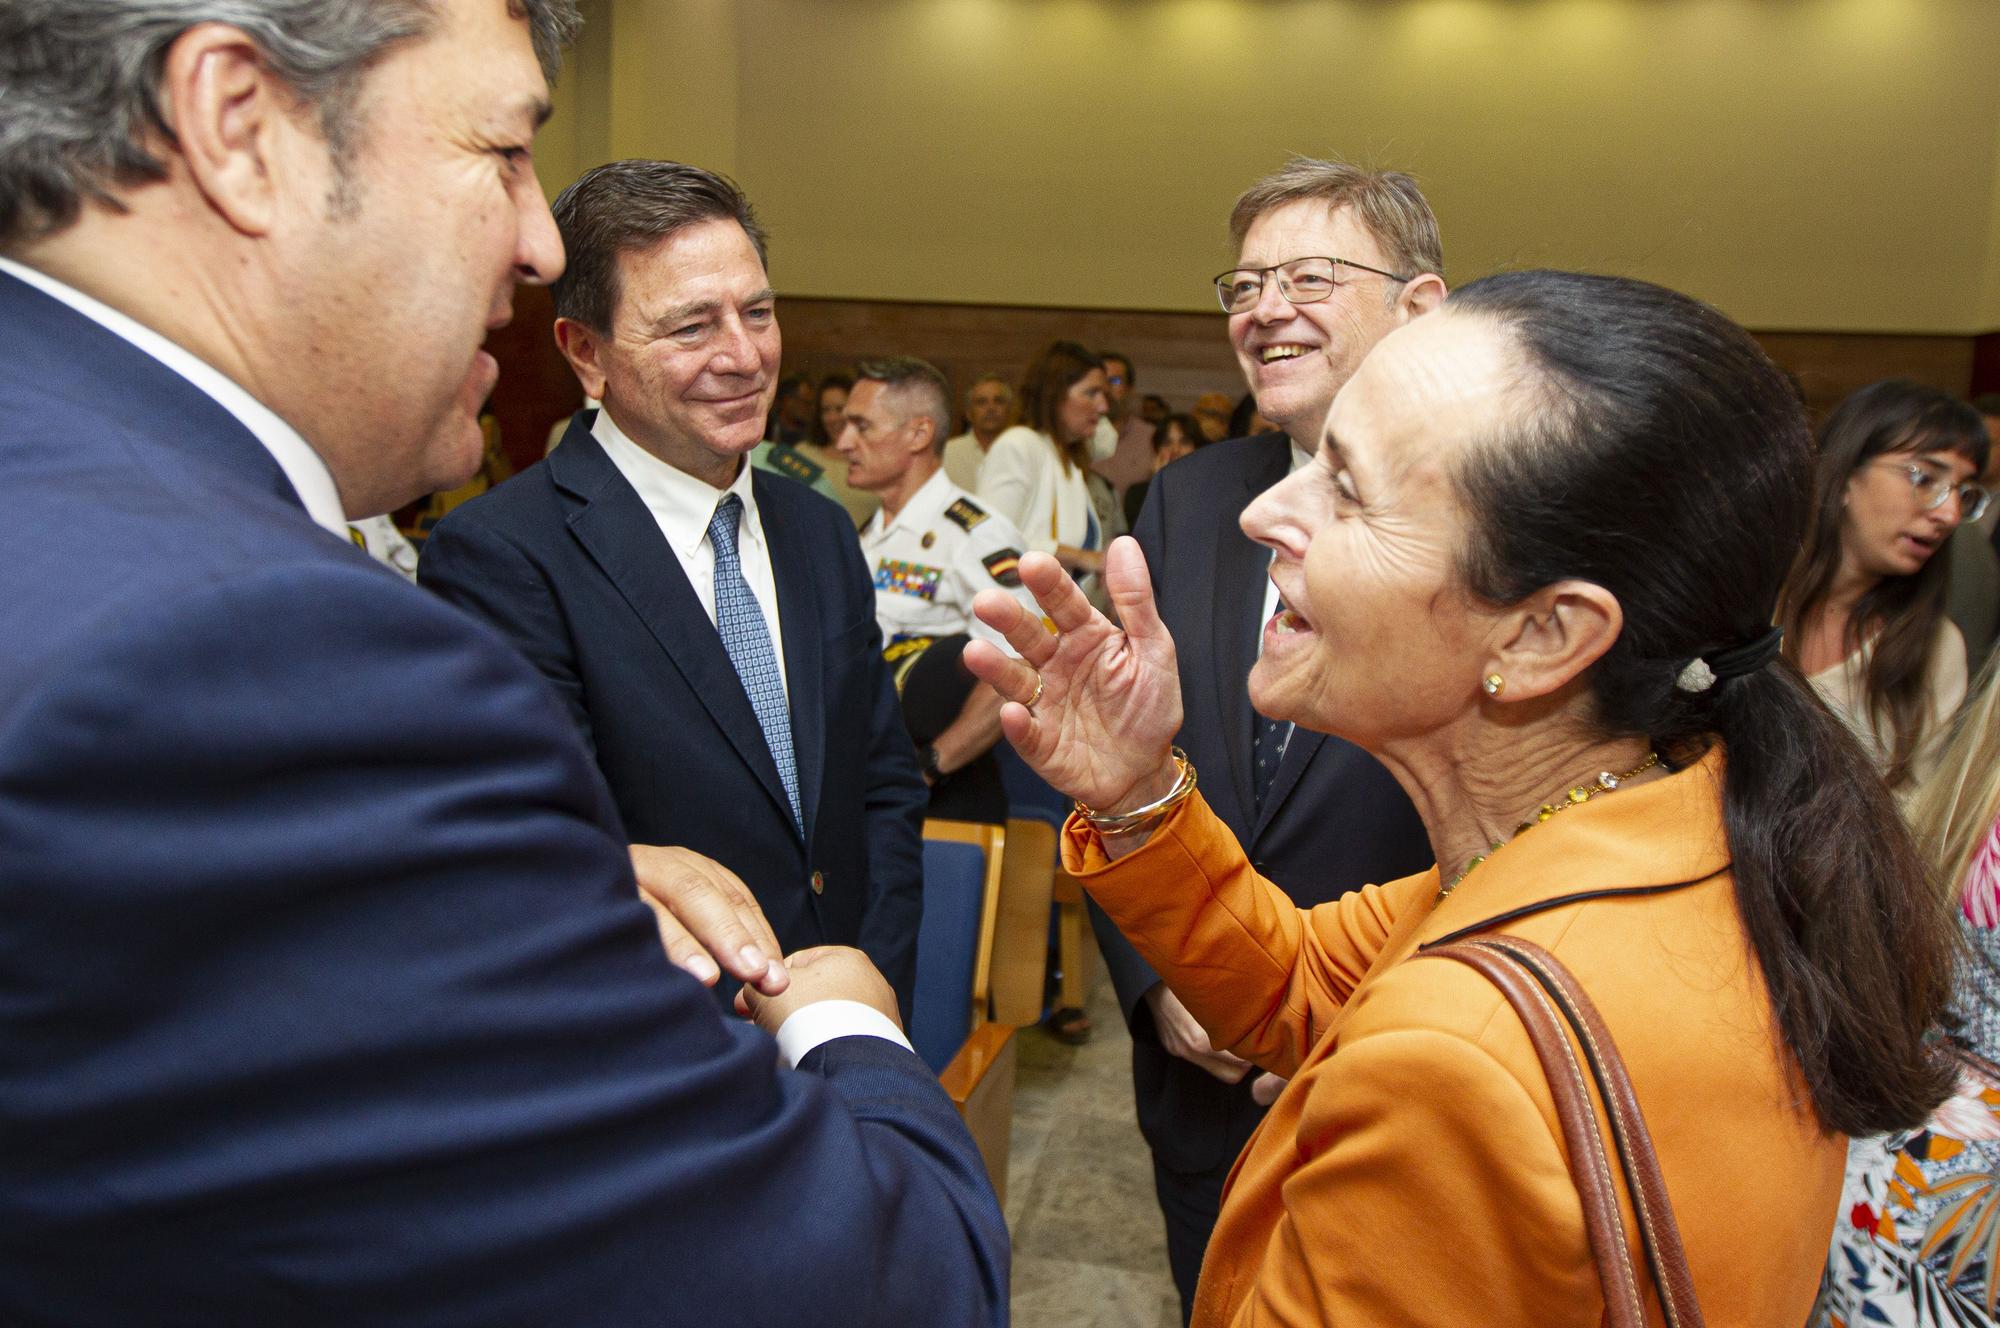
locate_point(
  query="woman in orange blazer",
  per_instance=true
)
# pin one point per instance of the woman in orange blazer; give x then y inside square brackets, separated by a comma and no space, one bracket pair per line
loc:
[1532,570]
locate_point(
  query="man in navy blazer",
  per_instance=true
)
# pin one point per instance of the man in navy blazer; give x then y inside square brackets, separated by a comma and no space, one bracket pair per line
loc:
[1321,816]
[325,990]
[600,566]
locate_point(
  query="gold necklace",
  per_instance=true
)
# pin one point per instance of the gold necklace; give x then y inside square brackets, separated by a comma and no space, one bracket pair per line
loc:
[1582,793]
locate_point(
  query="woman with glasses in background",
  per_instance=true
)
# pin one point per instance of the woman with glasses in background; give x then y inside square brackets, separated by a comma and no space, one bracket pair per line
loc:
[1864,610]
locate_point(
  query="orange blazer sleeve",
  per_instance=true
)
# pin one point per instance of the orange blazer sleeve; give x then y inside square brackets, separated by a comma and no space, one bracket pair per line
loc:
[1263,976]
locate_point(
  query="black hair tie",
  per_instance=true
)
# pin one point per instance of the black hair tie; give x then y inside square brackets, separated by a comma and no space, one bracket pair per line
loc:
[1704,671]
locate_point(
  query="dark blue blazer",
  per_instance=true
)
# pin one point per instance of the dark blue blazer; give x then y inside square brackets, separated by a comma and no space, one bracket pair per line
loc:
[325,997]
[1334,819]
[567,562]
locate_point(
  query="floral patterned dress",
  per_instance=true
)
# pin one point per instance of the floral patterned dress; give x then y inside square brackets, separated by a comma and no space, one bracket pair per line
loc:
[1917,1243]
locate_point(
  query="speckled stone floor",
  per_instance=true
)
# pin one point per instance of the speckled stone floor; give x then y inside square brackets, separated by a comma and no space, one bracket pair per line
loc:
[1089,1251]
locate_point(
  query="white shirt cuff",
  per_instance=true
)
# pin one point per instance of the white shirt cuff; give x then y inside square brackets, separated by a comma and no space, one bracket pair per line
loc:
[823,1021]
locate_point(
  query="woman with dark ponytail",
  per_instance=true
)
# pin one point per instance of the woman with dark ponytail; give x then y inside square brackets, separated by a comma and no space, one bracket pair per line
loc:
[1864,611]
[1533,571]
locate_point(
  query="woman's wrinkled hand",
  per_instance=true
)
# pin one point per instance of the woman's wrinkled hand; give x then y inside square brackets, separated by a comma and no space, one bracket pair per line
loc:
[1102,728]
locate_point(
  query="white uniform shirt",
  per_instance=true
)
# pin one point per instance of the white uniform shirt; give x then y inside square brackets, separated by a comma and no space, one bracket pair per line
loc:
[941,549]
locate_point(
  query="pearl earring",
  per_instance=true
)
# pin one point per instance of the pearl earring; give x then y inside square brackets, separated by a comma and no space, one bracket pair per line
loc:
[1494,684]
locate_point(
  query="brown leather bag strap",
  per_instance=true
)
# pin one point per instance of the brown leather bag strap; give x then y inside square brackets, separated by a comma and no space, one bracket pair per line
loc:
[1588,1164]
[1658,1231]
[1537,987]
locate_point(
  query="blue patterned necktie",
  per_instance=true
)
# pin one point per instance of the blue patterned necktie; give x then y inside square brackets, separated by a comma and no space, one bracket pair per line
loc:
[748,640]
[1269,749]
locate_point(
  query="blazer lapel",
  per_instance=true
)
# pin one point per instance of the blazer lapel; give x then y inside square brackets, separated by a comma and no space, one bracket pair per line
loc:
[793,570]
[1242,569]
[622,538]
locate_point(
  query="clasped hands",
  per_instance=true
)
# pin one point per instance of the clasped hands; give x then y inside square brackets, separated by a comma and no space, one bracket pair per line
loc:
[710,923]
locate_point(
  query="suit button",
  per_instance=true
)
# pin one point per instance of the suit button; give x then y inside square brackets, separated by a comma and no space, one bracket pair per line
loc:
[819,883]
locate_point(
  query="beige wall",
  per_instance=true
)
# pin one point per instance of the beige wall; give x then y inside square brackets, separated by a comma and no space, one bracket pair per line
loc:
[1806,164]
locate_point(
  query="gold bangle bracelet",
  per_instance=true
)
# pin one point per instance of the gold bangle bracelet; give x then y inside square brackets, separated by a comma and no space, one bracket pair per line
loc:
[1139,818]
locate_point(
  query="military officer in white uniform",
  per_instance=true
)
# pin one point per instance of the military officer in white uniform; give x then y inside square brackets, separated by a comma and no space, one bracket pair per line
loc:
[932,548]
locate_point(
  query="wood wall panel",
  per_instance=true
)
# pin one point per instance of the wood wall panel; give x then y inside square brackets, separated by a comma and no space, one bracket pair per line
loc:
[1177,355]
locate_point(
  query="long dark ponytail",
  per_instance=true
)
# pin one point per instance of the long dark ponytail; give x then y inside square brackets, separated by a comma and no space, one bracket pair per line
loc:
[1669,462]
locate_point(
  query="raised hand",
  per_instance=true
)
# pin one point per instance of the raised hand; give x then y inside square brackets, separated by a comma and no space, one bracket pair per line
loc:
[1100,722]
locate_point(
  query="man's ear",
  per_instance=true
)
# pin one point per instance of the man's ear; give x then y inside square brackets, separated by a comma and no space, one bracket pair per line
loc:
[580,347]
[234,123]
[923,438]
[1420,295]
[1553,636]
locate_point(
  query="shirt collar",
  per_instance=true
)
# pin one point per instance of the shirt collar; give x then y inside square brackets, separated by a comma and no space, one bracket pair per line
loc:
[302,466]
[680,503]
[924,504]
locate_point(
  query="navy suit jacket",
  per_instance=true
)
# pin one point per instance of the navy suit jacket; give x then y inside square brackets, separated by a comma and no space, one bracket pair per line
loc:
[325,996]
[568,563]
[1334,819]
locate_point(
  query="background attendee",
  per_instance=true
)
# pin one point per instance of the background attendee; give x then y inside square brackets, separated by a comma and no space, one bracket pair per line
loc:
[674,595]
[932,548]
[1864,611]
[1132,461]
[1245,421]
[1034,473]
[1974,598]
[1542,543]
[989,409]
[1909,1250]
[1174,437]
[1153,409]
[1211,411]
[792,418]
[1318,814]
[818,449]
[830,415]
[329,998]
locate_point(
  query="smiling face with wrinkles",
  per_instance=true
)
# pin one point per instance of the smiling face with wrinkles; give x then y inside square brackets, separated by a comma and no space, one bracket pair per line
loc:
[1377,637]
[1296,356]
[689,366]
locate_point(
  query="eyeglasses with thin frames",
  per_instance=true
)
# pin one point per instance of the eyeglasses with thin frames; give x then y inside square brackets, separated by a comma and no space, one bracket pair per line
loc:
[1932,489]
[1300,280]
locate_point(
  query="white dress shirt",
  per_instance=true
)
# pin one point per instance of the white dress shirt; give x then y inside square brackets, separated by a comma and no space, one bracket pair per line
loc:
[682,506]
[1300,458]
[302,466]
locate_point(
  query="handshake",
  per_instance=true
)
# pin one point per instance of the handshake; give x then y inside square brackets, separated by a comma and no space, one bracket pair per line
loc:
[710,923]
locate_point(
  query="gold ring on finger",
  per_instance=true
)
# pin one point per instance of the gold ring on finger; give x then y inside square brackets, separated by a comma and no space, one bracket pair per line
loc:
[1030,702]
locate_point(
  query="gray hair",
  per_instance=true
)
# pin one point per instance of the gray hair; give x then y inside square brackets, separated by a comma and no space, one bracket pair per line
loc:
[919,390]
[1388,203]
[633,204]
[80,81]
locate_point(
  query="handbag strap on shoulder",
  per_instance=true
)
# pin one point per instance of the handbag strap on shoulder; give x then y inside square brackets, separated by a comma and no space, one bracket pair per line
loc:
[1554,1008]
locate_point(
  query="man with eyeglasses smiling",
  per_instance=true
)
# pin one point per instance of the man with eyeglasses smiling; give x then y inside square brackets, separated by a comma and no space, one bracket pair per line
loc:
[1330,259]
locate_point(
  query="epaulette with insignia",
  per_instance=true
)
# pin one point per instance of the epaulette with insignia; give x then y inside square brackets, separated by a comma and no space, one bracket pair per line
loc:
[1005,567]
[965,514]
[801,468]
